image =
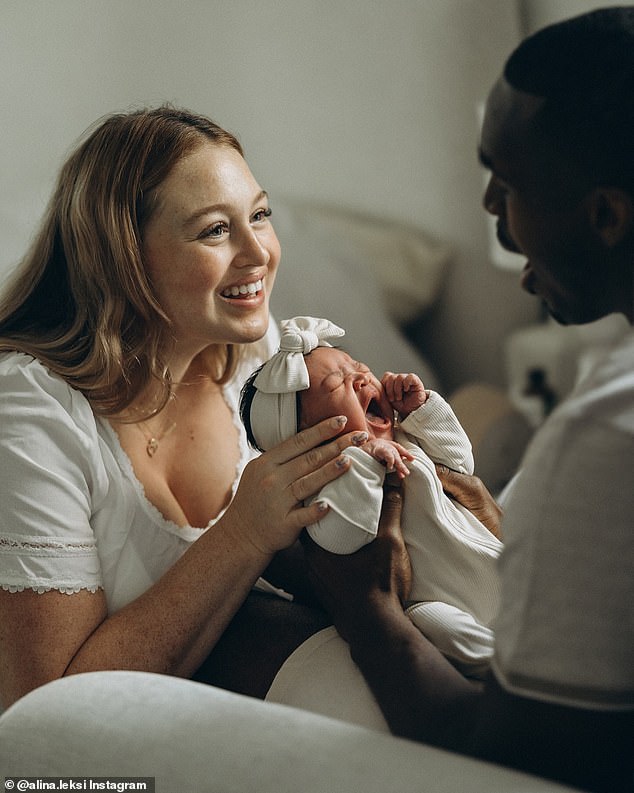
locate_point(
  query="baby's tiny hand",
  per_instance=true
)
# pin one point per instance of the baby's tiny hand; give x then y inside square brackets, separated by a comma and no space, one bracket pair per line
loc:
[405,392]
[391,454]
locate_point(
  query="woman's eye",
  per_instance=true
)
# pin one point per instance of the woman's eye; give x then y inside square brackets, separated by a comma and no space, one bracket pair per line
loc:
[216,231]
[262,214]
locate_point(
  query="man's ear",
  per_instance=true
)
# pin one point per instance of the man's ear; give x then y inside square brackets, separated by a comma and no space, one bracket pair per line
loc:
[611,213]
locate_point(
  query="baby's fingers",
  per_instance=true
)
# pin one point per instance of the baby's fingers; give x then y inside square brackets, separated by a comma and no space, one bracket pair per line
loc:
[388,381]
[405,454]
[399,466]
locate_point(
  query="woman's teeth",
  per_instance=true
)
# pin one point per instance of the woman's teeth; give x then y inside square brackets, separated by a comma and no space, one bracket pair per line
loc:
[244,289]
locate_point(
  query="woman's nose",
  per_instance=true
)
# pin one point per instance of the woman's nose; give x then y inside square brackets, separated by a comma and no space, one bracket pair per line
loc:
[251,250]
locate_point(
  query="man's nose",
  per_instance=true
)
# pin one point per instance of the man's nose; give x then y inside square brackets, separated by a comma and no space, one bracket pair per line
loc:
[492,199]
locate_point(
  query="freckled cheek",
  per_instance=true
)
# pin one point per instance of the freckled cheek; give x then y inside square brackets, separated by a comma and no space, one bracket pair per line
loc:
[197,277]
[274,262]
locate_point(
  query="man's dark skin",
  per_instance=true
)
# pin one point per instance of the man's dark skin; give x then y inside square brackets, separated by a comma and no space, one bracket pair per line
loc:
[578,243]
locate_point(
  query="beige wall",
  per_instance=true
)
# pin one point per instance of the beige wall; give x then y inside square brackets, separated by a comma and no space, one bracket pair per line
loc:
[369,104]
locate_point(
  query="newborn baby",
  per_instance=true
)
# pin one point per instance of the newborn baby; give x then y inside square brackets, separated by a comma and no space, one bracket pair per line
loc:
[455,592]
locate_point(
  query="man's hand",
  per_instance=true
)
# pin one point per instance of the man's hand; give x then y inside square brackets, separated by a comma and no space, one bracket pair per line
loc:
[348,586]
[473,495]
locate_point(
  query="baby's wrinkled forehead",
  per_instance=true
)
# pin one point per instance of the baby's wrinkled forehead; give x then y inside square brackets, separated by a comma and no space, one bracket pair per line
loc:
[323,361]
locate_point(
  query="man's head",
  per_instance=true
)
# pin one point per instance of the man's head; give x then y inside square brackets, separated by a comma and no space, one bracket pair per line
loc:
[557,136]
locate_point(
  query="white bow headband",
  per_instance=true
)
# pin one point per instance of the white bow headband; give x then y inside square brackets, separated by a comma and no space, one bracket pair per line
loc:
[273,414]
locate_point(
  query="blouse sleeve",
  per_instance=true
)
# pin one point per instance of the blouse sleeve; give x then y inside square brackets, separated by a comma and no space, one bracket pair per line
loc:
[52,481]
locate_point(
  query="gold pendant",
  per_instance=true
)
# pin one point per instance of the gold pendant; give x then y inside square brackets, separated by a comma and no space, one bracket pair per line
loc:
[151,447]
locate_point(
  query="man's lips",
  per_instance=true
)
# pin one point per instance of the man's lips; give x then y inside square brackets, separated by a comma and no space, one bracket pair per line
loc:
[527,279]
[505,240]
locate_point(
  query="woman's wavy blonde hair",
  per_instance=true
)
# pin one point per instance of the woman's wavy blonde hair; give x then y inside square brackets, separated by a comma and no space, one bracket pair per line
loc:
[81,301]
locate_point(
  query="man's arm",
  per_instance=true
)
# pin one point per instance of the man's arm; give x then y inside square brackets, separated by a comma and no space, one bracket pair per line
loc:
[423,697]
[589,749]
[421,694]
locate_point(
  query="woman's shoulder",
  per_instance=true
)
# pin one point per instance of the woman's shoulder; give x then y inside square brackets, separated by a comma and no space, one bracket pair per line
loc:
[22,366]
[26,383]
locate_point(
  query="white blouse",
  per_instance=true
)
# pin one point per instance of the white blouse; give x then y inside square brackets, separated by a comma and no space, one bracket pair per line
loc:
[74,516]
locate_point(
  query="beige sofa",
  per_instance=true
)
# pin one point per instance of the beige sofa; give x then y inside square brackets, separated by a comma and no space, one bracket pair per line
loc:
[192,738]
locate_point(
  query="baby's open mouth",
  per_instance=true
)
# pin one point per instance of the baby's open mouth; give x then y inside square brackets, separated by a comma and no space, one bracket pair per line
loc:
[374,415]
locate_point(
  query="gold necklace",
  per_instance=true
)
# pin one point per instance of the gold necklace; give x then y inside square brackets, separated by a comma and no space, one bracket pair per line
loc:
[153,441]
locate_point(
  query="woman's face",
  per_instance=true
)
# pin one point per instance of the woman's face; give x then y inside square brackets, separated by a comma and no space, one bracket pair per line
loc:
[210,250]
[340,386]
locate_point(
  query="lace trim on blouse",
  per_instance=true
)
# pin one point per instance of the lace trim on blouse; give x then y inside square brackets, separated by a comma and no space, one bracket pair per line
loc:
[29,561]
[45,547]
[42,589]
[34,563]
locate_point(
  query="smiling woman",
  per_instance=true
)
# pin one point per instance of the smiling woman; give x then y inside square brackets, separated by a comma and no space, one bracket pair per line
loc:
[207,244]
[129,533]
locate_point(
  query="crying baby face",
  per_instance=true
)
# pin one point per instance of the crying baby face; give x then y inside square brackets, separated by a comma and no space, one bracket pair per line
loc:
[341,386]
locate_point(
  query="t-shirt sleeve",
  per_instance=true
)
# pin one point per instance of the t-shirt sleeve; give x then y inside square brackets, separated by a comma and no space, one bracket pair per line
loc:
[52,481]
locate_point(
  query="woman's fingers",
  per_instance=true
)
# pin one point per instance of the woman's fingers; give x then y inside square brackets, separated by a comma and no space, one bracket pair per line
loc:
[308,484]
[288,475]
[308,451]
[309,439]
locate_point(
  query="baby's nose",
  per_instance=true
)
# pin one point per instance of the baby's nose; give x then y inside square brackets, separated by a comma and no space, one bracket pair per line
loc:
[361,379]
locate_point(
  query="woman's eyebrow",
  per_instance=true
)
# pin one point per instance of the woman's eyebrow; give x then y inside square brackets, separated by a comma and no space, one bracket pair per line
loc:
[224,208]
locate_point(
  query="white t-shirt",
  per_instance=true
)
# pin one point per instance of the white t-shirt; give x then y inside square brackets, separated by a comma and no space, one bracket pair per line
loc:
[74,516]
[566,629]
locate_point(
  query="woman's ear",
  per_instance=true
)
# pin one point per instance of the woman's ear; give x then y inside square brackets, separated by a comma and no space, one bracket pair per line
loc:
[611,212]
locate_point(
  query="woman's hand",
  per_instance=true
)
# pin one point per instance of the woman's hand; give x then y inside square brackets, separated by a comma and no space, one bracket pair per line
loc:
[268,509]
[378,576]
[473,495]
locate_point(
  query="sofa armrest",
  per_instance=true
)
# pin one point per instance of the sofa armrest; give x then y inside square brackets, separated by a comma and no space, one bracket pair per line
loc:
[195,739]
